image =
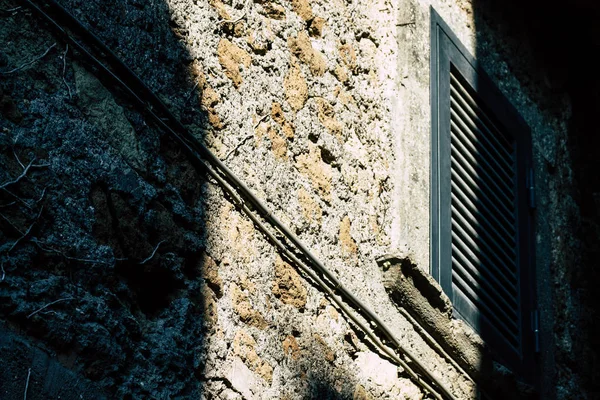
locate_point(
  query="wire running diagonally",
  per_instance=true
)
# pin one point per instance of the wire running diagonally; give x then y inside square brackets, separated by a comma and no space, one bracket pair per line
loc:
[240,194]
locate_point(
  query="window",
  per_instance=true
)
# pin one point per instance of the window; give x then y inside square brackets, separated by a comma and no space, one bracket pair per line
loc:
[481,202]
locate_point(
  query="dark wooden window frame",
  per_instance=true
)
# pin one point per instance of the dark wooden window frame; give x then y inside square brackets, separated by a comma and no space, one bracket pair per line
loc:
[447,53]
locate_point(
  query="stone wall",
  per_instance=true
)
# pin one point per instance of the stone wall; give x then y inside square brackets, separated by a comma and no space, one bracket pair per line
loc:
[142,276]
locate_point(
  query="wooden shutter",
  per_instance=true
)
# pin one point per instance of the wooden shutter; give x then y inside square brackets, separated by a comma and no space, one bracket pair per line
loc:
[484,223]
[480,209]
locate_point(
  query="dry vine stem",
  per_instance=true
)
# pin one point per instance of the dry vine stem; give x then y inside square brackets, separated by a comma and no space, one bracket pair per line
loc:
[23,173]
[27,384]
[4,186]
[65,70]
[153,253]
[66,257]
[48,305]
[24,235]
[157,110]
[27,64]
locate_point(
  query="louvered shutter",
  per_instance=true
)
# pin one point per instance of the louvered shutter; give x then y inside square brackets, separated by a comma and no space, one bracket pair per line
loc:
[481,230]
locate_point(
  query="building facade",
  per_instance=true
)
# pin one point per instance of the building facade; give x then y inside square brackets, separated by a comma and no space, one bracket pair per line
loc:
[128,271]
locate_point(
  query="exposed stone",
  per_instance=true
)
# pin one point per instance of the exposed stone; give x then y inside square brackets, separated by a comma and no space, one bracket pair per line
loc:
[303,9]
[327,117]
[210,273]
[210,98]
[278,116]
[310,208]
[333,313]
[242,379]
[241,305]
[319,172]
[288,285]
[302,48]
[261,131]
[328,354]
[221,9]
[296,89]
[273,10]
[344,97]
[99,105]
[360,393]
[244,346]
[315,29]
[340,73]
[197,73]
[348,244]
[290,346]
[209,308]
[231,57]
[376,369]
[265,370]
[278,144]
[348,56]
[260,41]
[277,113]
[247,284]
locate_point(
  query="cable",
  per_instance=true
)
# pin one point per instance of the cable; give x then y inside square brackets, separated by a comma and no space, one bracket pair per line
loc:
[153,107]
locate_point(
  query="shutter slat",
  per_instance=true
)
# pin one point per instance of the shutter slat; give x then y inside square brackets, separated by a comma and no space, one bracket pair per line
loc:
[479,114]
[484,300]
[499,259]
[485,183]
[482,148]
[505,300]
[467,292]
[488,270]
[483,215]
[484,205]
[468,150]
[484,235]
[486,220]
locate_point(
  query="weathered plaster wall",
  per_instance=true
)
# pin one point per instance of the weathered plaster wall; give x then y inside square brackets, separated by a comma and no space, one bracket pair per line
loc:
[322,108]
[165,289]
[508,54]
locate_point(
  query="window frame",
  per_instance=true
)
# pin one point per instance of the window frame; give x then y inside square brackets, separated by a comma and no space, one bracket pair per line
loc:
[447,50]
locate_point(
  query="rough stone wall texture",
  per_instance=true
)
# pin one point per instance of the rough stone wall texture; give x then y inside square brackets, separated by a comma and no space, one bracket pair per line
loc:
[139,275]
[148,281]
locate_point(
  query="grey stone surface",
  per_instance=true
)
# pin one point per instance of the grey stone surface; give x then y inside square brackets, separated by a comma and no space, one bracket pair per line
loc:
[27,370]
[329,126]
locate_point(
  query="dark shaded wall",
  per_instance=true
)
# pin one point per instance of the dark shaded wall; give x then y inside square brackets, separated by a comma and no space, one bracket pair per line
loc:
[561,41]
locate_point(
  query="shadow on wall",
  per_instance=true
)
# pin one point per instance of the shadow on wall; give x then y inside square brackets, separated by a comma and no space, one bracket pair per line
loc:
[107,288]
[103,242]
[549,46]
